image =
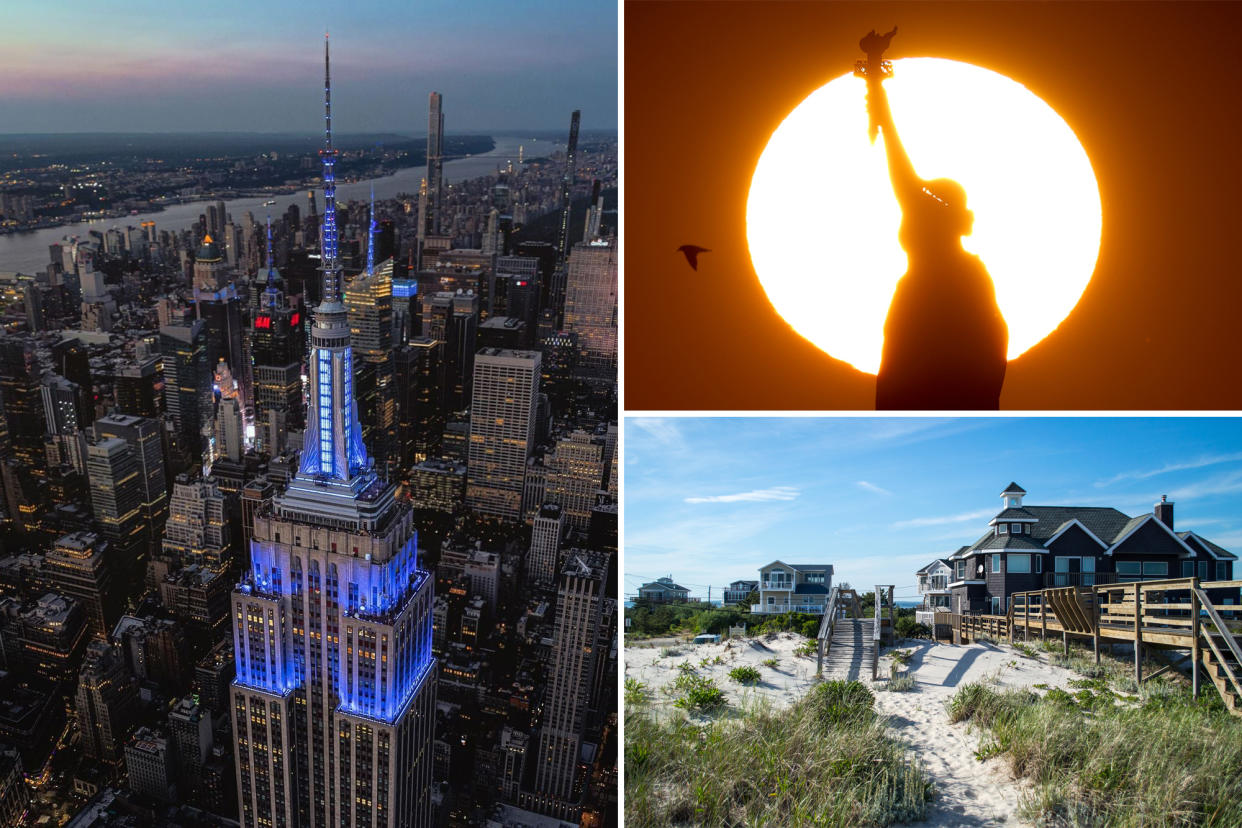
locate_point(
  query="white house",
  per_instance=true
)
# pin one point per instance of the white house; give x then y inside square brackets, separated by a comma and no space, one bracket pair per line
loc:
[793,588]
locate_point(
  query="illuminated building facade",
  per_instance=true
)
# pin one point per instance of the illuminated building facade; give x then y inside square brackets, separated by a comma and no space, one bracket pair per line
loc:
[591,306]
[334,699]
[433,220]
[502,430]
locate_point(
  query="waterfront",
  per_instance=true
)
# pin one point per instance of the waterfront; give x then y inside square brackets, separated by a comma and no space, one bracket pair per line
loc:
[28,252]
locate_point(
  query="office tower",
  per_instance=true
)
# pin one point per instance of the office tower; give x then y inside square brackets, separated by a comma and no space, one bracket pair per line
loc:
[106,702]
[230,430]
[14,792]
[419,382]
[197,531]
[53,635]
[591,306]
[116,489]
[187,381]
[567,183]
[21,392]
[502,430]
[433,218]
[333,703]
[368,300]
[144,438]
[579,609]
[595,214]
[225,320]
[77,565]
[277,343]
[137,387]
[190,728]
[547,529]
[512,764]
[575,475]
[149,765]
[212,676]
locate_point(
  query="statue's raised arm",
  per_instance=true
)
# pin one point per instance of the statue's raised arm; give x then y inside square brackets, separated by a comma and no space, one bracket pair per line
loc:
[906,184]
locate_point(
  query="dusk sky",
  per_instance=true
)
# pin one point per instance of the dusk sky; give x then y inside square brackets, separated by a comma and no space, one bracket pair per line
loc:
[710,500]
[153,66]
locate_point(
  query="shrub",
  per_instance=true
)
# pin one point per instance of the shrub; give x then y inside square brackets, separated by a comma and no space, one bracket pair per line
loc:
[810,627]
[834,702]
[907,627]
[771,662]
[745,675]
[636,692]
[699,695]
[807,648]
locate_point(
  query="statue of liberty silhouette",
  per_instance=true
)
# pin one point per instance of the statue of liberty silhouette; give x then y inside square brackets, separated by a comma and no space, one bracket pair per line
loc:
[945,339]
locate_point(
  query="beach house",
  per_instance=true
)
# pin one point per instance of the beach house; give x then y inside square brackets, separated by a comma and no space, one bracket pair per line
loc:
[793,588]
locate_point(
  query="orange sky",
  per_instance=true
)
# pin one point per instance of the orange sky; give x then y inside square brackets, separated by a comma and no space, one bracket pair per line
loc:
[1150,90]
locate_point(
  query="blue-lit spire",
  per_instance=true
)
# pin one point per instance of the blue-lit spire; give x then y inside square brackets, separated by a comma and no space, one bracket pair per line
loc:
[332,448]
[328,236]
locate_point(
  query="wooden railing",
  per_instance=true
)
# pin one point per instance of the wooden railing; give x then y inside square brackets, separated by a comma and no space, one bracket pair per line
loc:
[839,600]
[1174,612]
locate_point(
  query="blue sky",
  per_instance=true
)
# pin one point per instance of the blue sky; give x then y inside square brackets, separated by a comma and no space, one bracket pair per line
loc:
[710,500]
[151,65]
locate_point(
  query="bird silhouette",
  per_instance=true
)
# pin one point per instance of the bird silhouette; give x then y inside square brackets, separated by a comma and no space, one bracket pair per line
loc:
[692,252]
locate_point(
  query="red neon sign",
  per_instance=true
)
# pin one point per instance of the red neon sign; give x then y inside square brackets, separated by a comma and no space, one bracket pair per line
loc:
[294,320]
[263,322]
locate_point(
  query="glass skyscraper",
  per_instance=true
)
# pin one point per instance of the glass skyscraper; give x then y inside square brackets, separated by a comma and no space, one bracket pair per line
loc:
[334,699]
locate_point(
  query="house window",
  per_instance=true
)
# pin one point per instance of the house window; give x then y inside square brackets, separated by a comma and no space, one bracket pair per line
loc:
[1188,569]
[1203,570]
[771,600]
[1156,568]
[998,605]
[961,570]
[1222,570]
[1015,528]
[1003,528]
[1039,563]
[1019,564]
[815,577]
[996,564]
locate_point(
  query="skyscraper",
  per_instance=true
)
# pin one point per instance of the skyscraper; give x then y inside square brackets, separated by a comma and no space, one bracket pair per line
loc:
[106,703]
[502,430]
[579,612]
[434,221]
[567,185]
[591,306]
[277,340]
[333,703]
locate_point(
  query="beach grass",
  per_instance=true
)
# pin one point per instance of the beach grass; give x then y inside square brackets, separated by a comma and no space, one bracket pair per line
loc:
[828,760]
[1095,759]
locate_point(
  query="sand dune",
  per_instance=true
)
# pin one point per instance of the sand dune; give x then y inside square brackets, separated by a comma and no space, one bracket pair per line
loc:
[970,793]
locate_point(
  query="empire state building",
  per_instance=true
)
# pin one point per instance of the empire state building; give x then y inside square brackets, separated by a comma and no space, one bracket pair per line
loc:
[334,699]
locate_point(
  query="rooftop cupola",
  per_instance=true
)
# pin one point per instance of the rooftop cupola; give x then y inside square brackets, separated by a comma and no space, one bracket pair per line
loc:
[1012,496]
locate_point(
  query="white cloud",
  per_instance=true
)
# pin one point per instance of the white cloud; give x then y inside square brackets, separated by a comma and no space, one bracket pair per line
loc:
[775,493]
[871,487]
[943,519]
[1202,462]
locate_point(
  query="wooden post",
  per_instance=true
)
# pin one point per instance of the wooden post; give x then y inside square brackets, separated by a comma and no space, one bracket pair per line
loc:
[1138,633]
[1043,617]
[1065,642]
[1026,619]
[1095,624]
[1194,639]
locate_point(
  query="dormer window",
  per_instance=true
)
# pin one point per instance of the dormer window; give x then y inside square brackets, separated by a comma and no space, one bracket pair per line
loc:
[1015,529]
[1002,528]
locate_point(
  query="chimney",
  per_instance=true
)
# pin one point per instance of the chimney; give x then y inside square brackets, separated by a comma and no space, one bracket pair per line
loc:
[1164,511]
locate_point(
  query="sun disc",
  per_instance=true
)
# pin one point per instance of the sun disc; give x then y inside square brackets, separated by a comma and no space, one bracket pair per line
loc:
[822,220]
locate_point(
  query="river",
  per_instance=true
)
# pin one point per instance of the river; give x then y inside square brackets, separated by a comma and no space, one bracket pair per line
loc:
[28,252]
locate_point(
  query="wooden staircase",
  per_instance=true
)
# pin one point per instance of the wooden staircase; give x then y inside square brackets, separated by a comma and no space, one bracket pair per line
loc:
[852,649]
[1223,674]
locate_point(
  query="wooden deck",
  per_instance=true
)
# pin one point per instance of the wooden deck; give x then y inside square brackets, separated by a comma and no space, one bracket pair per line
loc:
[1175,614]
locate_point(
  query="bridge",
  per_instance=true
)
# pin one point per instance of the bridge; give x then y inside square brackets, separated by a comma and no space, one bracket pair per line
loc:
[1181,614]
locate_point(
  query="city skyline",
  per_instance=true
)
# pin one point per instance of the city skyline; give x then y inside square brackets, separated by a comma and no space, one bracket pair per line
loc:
[710,500]
[241,67]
